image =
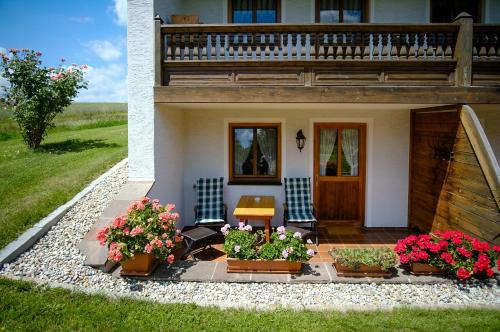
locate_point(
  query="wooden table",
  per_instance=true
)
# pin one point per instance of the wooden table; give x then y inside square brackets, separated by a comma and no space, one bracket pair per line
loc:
[256,208]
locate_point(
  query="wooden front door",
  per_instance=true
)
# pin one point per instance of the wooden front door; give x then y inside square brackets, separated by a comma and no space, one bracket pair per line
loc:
[339,172]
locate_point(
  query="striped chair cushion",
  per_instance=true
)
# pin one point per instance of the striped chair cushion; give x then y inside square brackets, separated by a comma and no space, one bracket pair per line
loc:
[298,200]
[210,200]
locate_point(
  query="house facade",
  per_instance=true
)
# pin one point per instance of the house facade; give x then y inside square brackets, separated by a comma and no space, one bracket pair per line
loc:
[398,103]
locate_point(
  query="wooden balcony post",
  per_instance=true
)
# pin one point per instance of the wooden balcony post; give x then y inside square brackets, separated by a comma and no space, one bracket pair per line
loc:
[158,51]
[463,50]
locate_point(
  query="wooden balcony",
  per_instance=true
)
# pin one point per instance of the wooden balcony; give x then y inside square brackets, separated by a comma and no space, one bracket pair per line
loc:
[459,54]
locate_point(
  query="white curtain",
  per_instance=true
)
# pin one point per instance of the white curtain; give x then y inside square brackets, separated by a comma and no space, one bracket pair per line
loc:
[350,146]
[267,143]
[240,155]
[328,138]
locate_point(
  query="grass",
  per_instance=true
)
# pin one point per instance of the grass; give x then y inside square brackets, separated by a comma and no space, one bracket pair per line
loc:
[78,116]
[33,183]
[26,307]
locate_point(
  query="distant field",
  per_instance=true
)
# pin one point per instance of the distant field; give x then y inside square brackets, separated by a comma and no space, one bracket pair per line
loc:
[78,116]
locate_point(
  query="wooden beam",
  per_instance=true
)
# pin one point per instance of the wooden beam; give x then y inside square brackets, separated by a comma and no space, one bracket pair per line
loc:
[158,52]
[463,50]
[332,94]
[482,149]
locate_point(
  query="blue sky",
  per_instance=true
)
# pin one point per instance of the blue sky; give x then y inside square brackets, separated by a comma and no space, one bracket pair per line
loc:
[91,32]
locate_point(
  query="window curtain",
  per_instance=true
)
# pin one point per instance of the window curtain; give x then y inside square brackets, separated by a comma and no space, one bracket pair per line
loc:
[267,143]
[327,138]
[350,146]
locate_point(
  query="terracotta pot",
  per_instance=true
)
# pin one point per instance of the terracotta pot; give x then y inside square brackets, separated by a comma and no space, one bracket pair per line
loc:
[262,266]
[424,269]
[363,271]
[139,265]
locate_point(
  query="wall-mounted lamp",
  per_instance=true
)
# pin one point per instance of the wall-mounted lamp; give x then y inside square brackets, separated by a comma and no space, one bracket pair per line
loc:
[300,139]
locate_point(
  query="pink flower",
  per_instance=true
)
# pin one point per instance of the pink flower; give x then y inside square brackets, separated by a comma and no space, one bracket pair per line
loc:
[170,207]
[248,228]
[119,222]
[309,241]
[225,229]
[434,247]
[170,259]
[281,230]
[38,54]
[102,236]
[422,255]
[297,235]
[145,200]
[126,231]
[241,226]
[164,216]
[136,231]
[282,237]
[164,235]
[178,238]
[169,244]
[148,248]
[480,246]
[140,206]
[310,252]
[284,253]
[158,243]
[237,248]
[463,273]
[448,258]
[83,67]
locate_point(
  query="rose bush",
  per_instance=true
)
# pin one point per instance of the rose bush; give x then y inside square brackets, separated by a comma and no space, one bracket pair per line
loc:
[241,243]
[148,227]
[452,251]
[37,94]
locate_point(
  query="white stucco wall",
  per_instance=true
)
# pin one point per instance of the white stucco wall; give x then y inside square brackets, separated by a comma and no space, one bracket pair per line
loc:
[140,81]
[210,11]
[205,152]
[298,11]
[399,11]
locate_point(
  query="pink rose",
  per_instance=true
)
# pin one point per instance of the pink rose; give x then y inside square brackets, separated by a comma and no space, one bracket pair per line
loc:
[148,248]
[136,231]
[170,259]
[102,236]
[158,243]
[169,244]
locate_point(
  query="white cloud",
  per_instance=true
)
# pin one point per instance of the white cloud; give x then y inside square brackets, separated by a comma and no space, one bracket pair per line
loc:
[81,19]
[105,84]
[105,49]
[120,11]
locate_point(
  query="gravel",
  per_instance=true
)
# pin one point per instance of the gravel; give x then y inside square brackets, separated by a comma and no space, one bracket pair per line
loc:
[56,260]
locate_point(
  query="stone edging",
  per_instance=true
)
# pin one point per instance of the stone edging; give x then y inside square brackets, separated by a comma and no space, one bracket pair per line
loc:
[29,237]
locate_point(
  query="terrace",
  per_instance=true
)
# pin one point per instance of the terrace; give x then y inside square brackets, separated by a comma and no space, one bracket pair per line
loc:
[360,57]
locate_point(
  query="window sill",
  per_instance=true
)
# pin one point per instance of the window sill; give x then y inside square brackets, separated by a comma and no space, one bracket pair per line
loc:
[254,183]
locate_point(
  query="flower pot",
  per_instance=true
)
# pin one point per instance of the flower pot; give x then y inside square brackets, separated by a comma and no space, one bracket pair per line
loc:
[139,265]
[424,269]
[262,266]
[363,271]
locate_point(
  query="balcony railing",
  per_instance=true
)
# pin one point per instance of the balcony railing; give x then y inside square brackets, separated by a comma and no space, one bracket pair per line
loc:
[325,54]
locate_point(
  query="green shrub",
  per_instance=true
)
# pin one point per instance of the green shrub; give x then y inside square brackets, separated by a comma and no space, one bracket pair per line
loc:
[384,258]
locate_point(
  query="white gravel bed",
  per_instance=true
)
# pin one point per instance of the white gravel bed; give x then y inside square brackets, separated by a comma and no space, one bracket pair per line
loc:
[56,260]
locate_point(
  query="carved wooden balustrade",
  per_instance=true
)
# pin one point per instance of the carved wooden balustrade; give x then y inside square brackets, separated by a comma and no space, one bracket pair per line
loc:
[486,54]
[317,54]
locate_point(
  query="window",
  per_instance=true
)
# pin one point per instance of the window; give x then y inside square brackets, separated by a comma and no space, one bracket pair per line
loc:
[255,153]
[254,11]
[341,11]
[445,11]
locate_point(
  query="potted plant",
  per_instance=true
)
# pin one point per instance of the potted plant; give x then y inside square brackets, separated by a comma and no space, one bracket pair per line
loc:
[143,236]
[247,252]
[451,252]
[368,262]
[465,256]
[421,253]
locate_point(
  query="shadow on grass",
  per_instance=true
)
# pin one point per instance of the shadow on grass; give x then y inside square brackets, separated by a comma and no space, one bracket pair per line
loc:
[75,145]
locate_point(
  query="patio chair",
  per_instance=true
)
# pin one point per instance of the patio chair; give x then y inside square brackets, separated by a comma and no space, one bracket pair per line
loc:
[210,212]
[298,211]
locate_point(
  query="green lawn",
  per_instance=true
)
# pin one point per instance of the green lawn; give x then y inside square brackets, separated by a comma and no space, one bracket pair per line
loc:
[33,183]
[25,307]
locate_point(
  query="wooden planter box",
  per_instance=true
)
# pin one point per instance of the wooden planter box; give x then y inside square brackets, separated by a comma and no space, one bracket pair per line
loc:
[140,265]
[424,269]
[261,266]
[363,271]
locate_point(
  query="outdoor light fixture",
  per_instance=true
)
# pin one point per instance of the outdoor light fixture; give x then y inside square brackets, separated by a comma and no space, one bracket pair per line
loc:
[301,140]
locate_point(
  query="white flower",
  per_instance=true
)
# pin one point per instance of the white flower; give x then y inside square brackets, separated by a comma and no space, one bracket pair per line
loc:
[309,241]
[297,235]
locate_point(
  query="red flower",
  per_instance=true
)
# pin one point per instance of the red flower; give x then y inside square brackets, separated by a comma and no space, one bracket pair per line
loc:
[443,244]
[498,264]
[464,252]
[410,240]
[456,239]
[496,248]
[434,247]
[400,247]
[480,246]
[448,258]
[463,273]
[489,273]
[423,255]
[404,259]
